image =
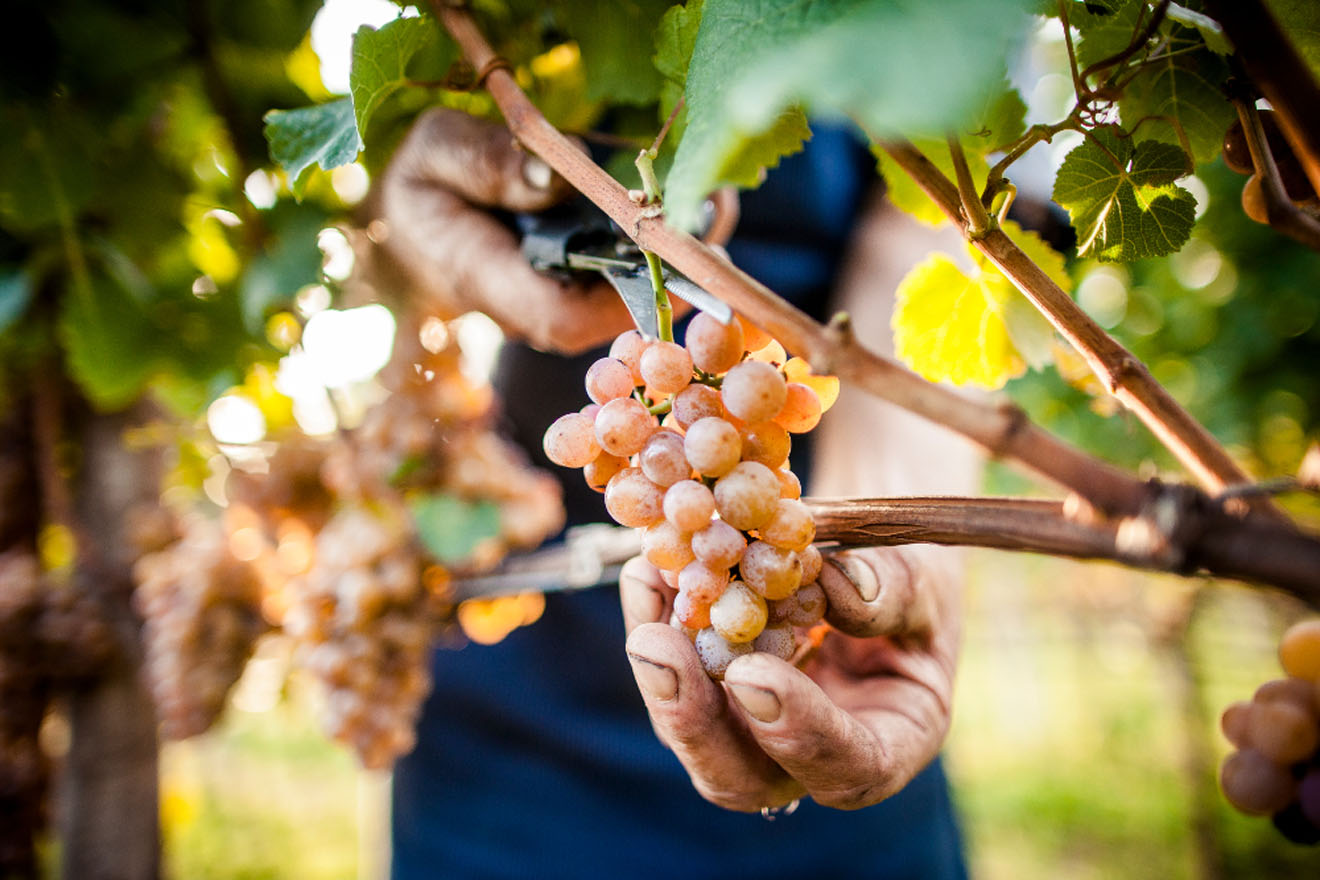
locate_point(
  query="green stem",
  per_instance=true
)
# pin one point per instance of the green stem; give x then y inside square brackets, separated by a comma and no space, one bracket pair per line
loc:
[664,312]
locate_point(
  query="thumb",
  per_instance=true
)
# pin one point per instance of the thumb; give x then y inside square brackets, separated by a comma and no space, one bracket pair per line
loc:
[477,160]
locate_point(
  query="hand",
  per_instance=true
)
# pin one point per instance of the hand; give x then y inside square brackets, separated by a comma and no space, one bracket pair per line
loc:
[433,239]
[867,713]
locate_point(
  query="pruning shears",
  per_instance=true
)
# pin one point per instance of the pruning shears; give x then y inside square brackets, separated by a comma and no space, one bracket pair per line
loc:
[578,237]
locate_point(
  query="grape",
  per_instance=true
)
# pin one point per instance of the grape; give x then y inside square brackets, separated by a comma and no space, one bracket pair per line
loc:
[754,391]
[666,367]
[754,338]
[691,612]
[719,545]
[714,347]
[702,583]
[1282,731]
[1255,784]
[765,442]
[1299,650]
[590,411]
[716,652]
[1253,200]
[608,379]
[666,547]
[663,460]
[1294,690]
[738,614]
[746,496]
[807,606]
[789,485]
[570,441]
[801,410]
[1294,825]
[696,402]
[1237,155]
[712,446]
[770,571]
[776,640]
[790,527]
[812,561]
[601,469]
[628,347]
[622,426]
[689,505]
[1308,795]
[1234,722]
[633,500]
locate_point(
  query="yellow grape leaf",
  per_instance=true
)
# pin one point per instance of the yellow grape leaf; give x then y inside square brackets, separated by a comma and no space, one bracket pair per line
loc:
[973,329]
[826,387]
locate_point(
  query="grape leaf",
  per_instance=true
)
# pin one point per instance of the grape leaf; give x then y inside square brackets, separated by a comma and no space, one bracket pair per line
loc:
[289,264]
[1212,32]
[973,329]
[675,38]
[1102,34]
[904,192]
[450,527]
[890,64]
[1122,199]
[110,346]
[1000,117]
[15,295]
[1187,88]
[616,39]
[324,134]
[1300,20]
[381,58]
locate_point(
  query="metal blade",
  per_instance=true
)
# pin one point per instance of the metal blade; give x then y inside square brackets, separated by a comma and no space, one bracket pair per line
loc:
[699,297]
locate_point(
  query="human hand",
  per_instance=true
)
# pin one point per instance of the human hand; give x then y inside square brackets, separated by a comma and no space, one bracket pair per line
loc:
[866,714]
[434,238]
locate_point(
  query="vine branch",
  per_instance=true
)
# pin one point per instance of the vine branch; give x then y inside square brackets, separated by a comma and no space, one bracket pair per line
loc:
[1003,431]
[1279,209]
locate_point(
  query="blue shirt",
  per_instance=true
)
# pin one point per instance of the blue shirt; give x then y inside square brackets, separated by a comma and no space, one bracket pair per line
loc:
[535,756]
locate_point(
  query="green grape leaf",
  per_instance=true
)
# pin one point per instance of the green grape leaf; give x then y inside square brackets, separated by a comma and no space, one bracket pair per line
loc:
[1101,34]
[616,41]
[903,191]
[46,168]
[1122,199]
[381,61]
[15,296]
[1300,20]
[1000,116]
[892,65]
[973,329]
[1186,88]
[1212,32]
[450,527]
[292,262]
[675,38]
[110,347]
[323,134]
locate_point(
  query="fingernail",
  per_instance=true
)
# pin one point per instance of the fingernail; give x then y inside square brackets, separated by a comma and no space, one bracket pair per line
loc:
[861,575]
[536,173]
[761,704]
[656,680]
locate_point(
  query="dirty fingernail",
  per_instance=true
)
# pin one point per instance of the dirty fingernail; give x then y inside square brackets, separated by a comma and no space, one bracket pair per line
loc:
[761,704]
[536,172]
[861,575]
[656,680]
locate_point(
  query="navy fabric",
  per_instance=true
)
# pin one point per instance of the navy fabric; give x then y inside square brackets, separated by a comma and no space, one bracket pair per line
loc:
[535,757]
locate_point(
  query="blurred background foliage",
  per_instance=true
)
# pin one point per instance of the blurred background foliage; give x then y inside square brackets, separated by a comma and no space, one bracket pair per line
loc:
[146,241]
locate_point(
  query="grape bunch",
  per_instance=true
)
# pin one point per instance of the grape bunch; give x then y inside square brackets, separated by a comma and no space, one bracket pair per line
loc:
[1296,185]
[360,620]
[1276,768]
[709,485]
[201,614]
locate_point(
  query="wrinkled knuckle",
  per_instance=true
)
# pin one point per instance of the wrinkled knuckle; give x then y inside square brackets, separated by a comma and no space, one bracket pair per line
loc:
[856,795]
[738,801]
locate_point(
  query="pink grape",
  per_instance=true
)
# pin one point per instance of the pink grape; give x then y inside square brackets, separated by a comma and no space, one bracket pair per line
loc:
[633,500]
[801,410]
[714,347]
[811,563]
[691,612]
[738,614]
[808,605]
[765,442]
[754,391]
[1282,731]
[717,652]
[1234,722]
[1299,650]
[623,425]
[791,526]
[719,545]
[746,496]
[571,441]
[662,458]
[601,469]
[702,583]
[776,640]
[666,547]
[628,347]
[666,367]
[770,571]
[697,402]
[1255,784]
[608,379]
[689,505]
[712,446]
[754,338]
[789,485]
